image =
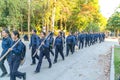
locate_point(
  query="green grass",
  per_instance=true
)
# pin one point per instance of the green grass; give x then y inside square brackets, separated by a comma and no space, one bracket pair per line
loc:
[117,62]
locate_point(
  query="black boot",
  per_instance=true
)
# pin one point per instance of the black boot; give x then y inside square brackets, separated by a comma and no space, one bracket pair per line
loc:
[63,58]
[24,76]
[50,65]
[36,72]
[54,62]
[33,64]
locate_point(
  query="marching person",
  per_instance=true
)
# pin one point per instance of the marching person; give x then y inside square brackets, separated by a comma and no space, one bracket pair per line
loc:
[34,43]
[86,39]
[51,40]
[81,40]
[6,44]
[103,36]
[70,42]
[63,37]
[15,58]
[44,51]
[89,39]
[76,41]
[58,47]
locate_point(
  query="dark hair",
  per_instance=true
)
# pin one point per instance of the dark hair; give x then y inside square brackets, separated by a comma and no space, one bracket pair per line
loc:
[60,33]
[16,33]
[49,31]
[43,33]
[7,31]
[35,30]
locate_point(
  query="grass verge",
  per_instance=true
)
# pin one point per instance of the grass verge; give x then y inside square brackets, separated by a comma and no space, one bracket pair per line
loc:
[117,62]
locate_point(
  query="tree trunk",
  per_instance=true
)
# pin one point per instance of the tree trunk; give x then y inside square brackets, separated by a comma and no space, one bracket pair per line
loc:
[29,18]
[53,15]
[61,27]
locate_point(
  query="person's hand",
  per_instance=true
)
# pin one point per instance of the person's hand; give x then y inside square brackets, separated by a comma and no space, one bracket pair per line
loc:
[10,49]
[36,49]
[42,43]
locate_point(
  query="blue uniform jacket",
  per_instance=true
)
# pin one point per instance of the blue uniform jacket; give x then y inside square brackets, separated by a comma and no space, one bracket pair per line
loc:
[58,41]
[44,47]
[76,40]
[81,37]
[6,44]
[70,39]
[34,41]
[17,50]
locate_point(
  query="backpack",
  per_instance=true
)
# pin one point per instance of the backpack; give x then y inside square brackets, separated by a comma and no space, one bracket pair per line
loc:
[23,54]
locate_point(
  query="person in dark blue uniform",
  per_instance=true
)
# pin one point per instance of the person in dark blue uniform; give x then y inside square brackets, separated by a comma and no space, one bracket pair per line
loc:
[63,38]
[86,39]
[26,38]
[58,47]
[44,51]
[92,38]
[76,41]
[81,40]
[15,58]
[89,38]
[97,36]
[6,44]
[94,41]
[51,41]
[34,43]
[100,38]
[70,42]
[103,36]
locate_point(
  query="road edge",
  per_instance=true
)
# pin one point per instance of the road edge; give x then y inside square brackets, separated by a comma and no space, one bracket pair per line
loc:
[112,69]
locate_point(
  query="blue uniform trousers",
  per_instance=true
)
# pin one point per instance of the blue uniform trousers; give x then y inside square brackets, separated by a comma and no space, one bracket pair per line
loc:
[36,56]
[69,48]
[58,49]
[41,56]
[81,44]
[14,65]
[2,66]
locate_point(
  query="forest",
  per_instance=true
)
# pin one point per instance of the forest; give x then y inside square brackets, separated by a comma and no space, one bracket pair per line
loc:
[53,15]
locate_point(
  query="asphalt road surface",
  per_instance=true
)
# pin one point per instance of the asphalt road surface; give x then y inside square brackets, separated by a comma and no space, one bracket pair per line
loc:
[82,65]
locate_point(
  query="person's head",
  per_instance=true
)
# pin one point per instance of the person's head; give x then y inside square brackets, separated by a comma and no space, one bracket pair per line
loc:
[70,33]
[5,33]
[34,31]
[60,33]
[43,34]
[15,35]
[49,31]
[75,33]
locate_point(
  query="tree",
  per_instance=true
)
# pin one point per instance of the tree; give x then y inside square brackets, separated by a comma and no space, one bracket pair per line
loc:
[12,13]
[80,15]
[114,22]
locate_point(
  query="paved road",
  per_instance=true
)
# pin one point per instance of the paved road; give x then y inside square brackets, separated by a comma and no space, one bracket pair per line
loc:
[83,65]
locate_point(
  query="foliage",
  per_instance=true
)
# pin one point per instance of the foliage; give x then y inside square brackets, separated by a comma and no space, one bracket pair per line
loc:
[114,21]
[80,15]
